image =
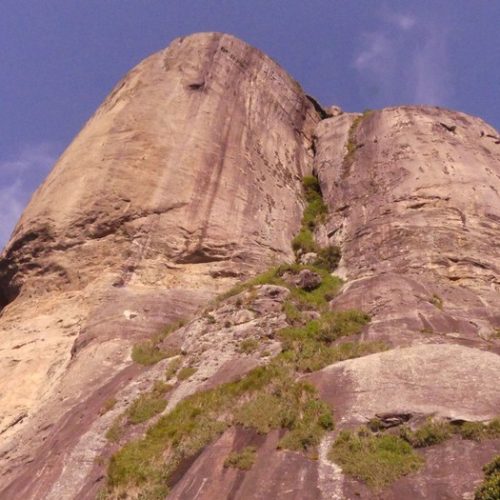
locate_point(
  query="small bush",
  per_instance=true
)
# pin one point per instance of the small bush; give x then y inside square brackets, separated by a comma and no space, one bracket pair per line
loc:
[167,330]
[115,432]
[248,346]
[108,405]
[148,405]
[375,424]
[493,428]
[242,460]
[310,356]
[429,434]
[172,368]
[490,489]
[473,431]
[304,242]
[186,372]
[342,323]
[147,353]
[377,460]
[293,315]
[311,186]
[321,295]
[328,258]
[314,213]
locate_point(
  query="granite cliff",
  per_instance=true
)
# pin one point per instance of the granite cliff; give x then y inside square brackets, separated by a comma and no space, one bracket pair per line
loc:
[196,175]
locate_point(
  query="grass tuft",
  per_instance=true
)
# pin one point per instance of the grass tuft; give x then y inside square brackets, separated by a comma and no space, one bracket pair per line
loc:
[490,488]
[108,405]
[186,372]
[149,352]
[148,405]
[172,368]
[248,346]
[242,460]
[378,460]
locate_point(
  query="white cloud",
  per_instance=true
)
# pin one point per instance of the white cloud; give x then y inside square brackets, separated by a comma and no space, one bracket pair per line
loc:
[376,54]
[19,177]
[403,21]
[12,203]
[430,66]
[404,60]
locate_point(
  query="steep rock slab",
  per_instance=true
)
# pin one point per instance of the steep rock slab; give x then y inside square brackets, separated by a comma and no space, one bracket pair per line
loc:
[187,177]
[414,200]
[448,381]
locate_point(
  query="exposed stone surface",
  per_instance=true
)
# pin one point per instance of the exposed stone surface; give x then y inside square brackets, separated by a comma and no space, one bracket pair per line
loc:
[187,179]
[308,280]
[447,381]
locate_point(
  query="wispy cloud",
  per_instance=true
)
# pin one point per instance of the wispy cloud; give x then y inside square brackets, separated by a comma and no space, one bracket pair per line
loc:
[430,64]
[19,177]
[404,60]
[402,21]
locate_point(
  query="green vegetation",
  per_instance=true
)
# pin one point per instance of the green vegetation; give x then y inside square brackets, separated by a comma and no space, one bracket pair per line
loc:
[312,356]
[288,405]
[435,432]
[149,352]
[148,405]
[309,347]
[248,346]
[197,420]
[316,208]
[268,397]
[379,457]
[490,489]
[352,144]
[432,432]
[317,297]
[292,313]
[115,432]
[108,405]
[378,460]
[186,372]
[314,214]
[304,241]
[328,258]
[242,460]
[172,368]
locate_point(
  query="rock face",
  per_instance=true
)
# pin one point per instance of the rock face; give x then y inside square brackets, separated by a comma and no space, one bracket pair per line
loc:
[187,179]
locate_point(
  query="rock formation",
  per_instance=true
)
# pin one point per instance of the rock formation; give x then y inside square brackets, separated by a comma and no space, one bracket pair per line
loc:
[188,180]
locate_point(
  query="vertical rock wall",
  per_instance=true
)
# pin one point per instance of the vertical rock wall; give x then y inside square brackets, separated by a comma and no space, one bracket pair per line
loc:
[186,179]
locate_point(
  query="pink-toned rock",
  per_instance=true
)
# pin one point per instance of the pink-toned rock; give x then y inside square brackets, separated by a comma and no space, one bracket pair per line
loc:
[186,179]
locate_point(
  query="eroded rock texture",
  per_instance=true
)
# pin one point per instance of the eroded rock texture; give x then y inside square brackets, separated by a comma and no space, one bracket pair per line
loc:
[187,179]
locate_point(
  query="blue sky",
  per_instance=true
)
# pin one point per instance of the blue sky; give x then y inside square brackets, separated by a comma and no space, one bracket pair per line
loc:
[60,58]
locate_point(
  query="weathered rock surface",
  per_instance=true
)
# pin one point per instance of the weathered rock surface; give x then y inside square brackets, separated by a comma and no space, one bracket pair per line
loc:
[427,379]
[187,179]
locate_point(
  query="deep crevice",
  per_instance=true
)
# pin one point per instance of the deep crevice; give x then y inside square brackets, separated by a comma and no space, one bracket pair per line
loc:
[319,109]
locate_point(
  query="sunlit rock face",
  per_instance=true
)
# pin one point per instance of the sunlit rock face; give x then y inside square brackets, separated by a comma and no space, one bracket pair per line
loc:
[185,181]
[187,178]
